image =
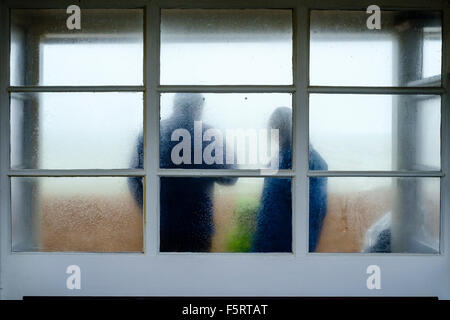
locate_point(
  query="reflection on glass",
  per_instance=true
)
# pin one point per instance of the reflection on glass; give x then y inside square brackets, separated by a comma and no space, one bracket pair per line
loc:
[405,51]
[428,133]
[89,214]
[75,130]
[108,50]
[225,214]
[224,131]
[398,215]
[432,46]
[376,132]
[206,47]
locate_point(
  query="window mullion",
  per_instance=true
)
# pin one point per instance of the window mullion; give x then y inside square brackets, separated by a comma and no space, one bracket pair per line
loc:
[225,172]
[228,89]
[301,130]
[445,136]
[76,89]
[375,174]
[76,173]
[375,90]
[151,127]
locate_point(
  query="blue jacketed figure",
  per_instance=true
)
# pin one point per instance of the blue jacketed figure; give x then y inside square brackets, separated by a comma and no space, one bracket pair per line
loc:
[274,218]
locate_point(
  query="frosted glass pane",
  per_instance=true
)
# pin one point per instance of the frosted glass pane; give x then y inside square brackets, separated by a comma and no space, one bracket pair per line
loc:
[75,130]
[344,52]
[225,215]
[376,132]
[398,215]
[108,50]
[90,214]
[205,47]
[251,131]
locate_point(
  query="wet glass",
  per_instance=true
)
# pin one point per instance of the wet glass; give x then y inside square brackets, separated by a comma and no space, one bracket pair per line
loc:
[379,215]
[80,214]
[225,214]
[376,132]
[75,130]
[406,51]
[107,50]
[213,47]
[226,131]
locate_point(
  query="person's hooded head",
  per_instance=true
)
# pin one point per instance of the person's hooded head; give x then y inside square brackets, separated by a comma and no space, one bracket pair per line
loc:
[281,119]
[189,106]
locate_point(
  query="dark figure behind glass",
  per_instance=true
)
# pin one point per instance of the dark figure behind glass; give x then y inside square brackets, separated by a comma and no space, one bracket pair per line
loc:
[186,204]
[274,218]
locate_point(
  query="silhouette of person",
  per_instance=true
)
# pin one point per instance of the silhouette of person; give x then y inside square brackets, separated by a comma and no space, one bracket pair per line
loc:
[135,183]
[186,204]
[274,218]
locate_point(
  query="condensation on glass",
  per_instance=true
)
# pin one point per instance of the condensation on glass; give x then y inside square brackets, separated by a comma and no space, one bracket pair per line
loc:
[226,131]
[225,214]
[380,215]
[108,50]
[376,132]
[406,51]
[75,130]
[83,214]
[207,47]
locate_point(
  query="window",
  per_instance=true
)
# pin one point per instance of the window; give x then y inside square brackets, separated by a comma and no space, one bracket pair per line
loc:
[199,131]
[251,148]
[61,121]
[384,133]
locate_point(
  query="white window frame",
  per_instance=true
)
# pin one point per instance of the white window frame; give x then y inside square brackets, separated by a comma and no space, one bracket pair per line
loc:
[222,274]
